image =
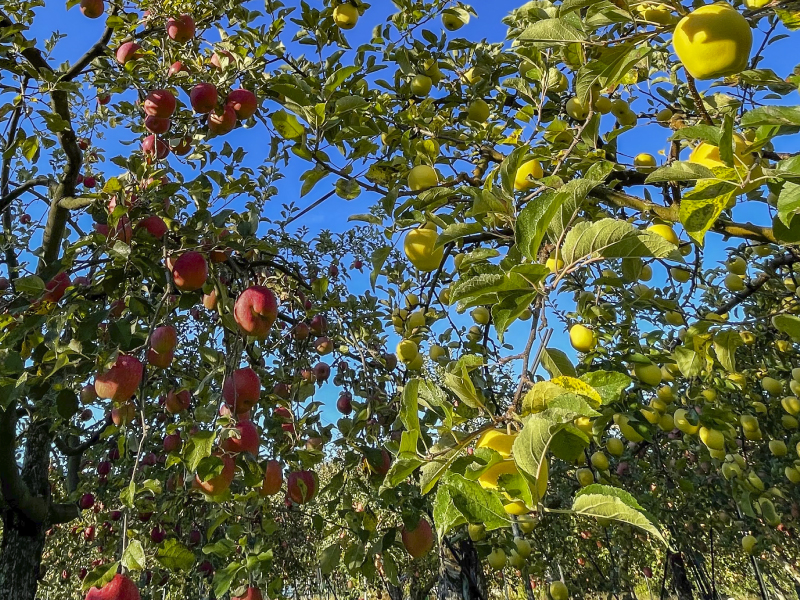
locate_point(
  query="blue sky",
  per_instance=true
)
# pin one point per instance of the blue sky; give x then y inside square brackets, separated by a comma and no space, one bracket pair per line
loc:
[81,32]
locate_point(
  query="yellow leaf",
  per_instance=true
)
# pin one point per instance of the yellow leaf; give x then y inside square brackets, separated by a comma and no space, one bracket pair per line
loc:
[577,386]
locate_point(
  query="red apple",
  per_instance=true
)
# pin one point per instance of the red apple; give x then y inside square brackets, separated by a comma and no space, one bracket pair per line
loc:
[92,9]
[273,478]
[177,67]
[282,390]
[419,540]
[219,483]
[301,486]
[156,124]
[177,402]
[345,403]
[215,60]
[222,122]
[242,390]
[203,98]
[284,415]
[248,440]
[127,52]
[121,381]
[56,287]
[88,395]
[210,300]
[323,345]
[103,467]
[86,502]
[172,442]
[4,284]
[164,339]
[153,146]
[181,29]
[255,311]
[252,593]
[319,325]
[321,372]
[190,271]
[89,182]
[383,467]
[159,103]
[160,361]
[301,331]
[243,102]
[119,588]
[154,225]
[123,413]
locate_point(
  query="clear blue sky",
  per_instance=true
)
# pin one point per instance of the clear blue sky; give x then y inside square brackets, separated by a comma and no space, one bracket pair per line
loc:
[81,32]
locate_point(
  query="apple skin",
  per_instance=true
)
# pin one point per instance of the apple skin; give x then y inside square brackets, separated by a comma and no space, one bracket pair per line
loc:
[252,593]
[345,403]
[127,52]
[152,146]
[323,345]
[172,442]
[242,390]
[154,225]
[203,98]
[177,67]
[156,125]
[210,300]
[321,372]
[220,483]
[384,466]
[282,390]
[119,588]
[418,541]
[177,402]
[88,395]
[181,29]
[92,9]
[215,58]
[86,502]
[220,123]
[190,271]
[164,339]
[243,102]
[158,360]
[301,486]
[57,287]
[273,478]
[255,311]
[319,325]
[121,381]
[159,103]
[247,442]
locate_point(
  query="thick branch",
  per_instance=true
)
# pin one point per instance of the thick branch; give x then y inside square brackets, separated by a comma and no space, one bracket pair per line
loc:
[6,200]
[12,488]
[98,49]
[746,231]
[68,450]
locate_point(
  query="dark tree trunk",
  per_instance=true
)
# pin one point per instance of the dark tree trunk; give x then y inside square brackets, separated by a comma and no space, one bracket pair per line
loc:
[680,579]
[23,540]
[460,572]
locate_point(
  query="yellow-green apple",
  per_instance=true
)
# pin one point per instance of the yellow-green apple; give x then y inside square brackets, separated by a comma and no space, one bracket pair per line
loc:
[255,311]
[242,390]
[121,381]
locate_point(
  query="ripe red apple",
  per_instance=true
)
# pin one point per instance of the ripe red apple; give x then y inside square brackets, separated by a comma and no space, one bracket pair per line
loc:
[154,225]
[164,339]
[242,390]
[153,146]
[323,345]
[252,593]
[119,588]
[86,502]
[195,537]
[159,103]
[383,467]
[158,360]
[301,486]
[92,9]
[345,403]
[25,219]
[419,540]
[190,271]
[243,102]
[219,483]
[181,29]
[284,416]
[157,534]
[183,147]
[222,121]
[172,442]
[255,311]
[89,182]
[248,440]
[56,287]
[127,52]
[215,60]
[319,325]
[150,459]
[121,381]
[177,402]
[157,124]
[203,98]
[273,478]
[4,284]
[321,372]
[282,390]
[301,331]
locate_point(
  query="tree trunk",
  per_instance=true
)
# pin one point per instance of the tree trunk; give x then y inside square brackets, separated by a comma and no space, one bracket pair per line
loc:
[680,580]
[23,540]
[460,572]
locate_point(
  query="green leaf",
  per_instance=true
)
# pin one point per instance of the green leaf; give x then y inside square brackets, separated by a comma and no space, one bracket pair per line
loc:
[175,556]
[378,259]
[680,171]
[409,409]
[533,443]
[606,502]
[772,115]
[310,178]
[348,189]
[456,231]
[99,576]
[725,344]
[550,32]
[476,504]
[287,125]
[460,383]
[338,77]
[557,363]
[508,309]
[134,558]
[535,219]
[788,202]
[698,213]
[32,285]
[689,361]
[609,384]
[612,238]
[198,447]
[788,324]
[610,68]
[445,514]
[401,469]
[329,558]
[224,577]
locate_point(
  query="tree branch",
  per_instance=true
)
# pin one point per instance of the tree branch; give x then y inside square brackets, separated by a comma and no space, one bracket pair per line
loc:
[68,450]
[8,198]
[757,283]
[98,49]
